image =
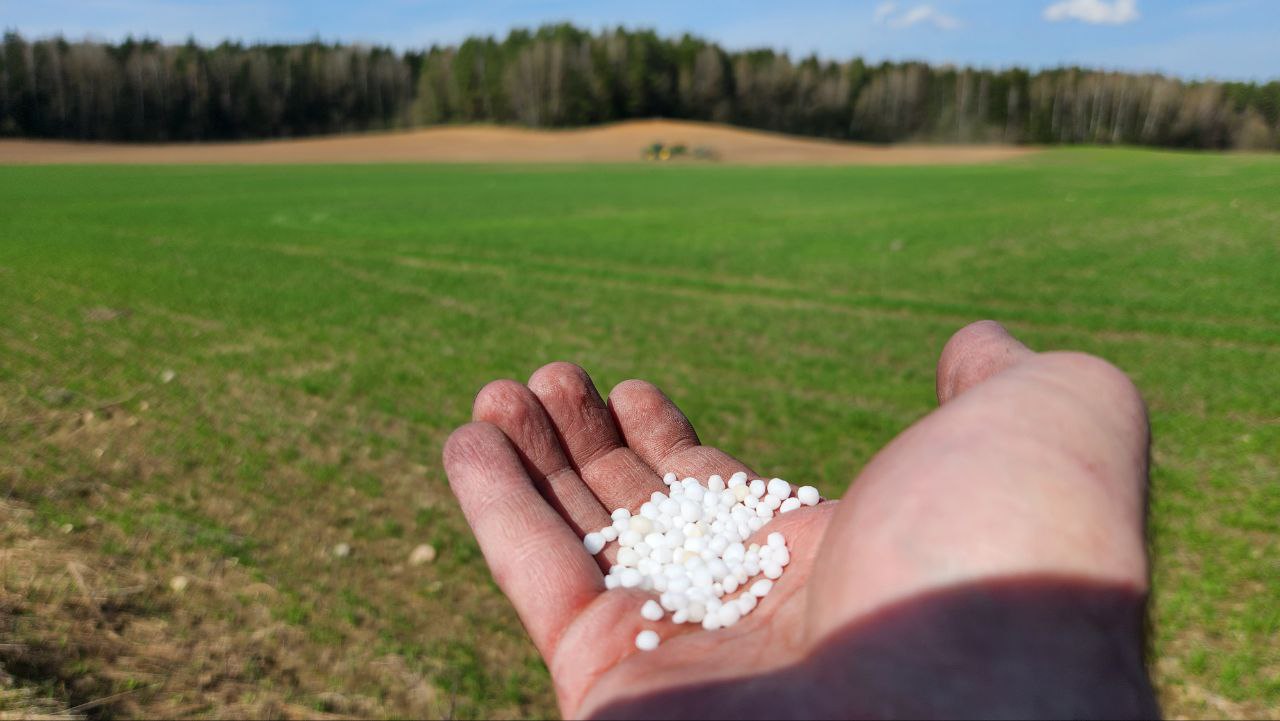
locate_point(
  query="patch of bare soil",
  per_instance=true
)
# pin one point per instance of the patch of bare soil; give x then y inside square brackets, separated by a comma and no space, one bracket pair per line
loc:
[616,143]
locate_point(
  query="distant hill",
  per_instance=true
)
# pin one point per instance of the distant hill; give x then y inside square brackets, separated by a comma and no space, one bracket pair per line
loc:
[617,142]
[561,76]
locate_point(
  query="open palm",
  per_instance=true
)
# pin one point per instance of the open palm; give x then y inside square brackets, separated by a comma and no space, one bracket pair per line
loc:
[859,624]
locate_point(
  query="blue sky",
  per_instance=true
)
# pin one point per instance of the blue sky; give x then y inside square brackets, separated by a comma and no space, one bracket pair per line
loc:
[1226,39]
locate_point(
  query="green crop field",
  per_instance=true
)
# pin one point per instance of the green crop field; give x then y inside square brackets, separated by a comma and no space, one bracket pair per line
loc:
[210,377]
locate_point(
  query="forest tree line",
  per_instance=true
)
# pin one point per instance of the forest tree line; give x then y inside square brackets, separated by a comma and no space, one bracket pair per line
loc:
[143,90]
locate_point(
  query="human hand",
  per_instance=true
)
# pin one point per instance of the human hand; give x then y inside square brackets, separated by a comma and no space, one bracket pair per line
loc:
[989,561]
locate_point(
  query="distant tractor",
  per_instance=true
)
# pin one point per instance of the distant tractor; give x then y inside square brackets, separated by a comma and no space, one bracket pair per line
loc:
[661,152]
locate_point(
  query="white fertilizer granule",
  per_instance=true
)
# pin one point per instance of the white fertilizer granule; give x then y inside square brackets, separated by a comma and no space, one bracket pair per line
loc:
[686,545]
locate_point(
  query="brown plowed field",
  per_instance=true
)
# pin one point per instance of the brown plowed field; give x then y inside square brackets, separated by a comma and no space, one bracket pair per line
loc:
[615,143]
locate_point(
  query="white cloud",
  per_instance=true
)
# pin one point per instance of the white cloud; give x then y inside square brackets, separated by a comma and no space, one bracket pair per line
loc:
[887,14]
[1095,12]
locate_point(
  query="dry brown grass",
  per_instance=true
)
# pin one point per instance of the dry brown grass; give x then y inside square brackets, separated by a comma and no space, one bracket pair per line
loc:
[616,143]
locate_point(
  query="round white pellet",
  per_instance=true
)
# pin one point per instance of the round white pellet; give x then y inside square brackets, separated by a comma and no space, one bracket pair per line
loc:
[611,582]
[689,511]
[594,543]
[758,488]
[729,614]
[609,533]
[657,497]
[771,570]
[651,611]
[642,550]
[771,502]
[669,478]
[737,479]
[729,583]
[696,612]
[711,621]
[620,514]
[673,601]
[647,640]
[670,508]
[741,492]
[715,483]
[763,511]
[701,577]
[746,603]
[782,557]
[761,588]
[630,578]
[718,544]
[641,524]
[779,489]
[755,524]
[629,538]
[695,493]
[627,557]
[718,568]
[790,505]
[775,539]
[751,502]
[808,495]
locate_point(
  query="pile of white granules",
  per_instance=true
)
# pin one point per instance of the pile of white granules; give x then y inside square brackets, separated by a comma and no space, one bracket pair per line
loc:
[688,547]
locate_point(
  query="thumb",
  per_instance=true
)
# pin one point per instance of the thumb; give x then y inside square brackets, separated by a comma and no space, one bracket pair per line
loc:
[975,353]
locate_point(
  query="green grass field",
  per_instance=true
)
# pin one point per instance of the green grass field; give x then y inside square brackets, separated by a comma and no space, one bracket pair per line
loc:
[219,373]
